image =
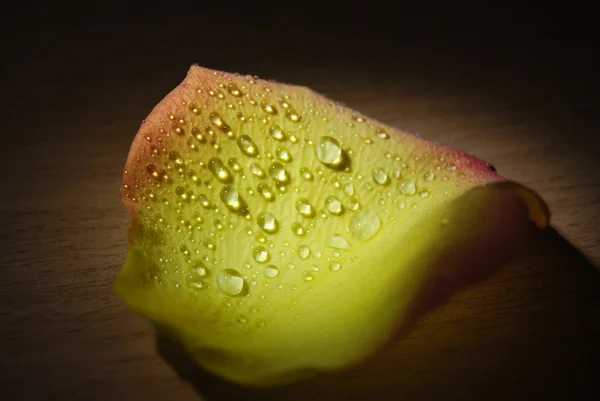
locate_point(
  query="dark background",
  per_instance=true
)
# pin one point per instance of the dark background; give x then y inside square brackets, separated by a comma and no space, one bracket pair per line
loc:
[517,87]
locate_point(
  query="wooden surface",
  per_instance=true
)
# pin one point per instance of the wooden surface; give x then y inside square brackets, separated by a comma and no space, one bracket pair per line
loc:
[76,96]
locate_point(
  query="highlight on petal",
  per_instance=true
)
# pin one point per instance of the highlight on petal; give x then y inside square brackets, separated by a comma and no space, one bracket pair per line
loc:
[276,234]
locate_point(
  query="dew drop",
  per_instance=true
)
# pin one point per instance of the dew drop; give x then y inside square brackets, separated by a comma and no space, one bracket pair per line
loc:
[364,225]
[204,201]
[380,176]
[382,134]
[407,187]
[304,252]
[329,152]
[284,155]
[349,189]
[265,192]
[221,173]
[305,208]
[268,223]
[306,174]
[337,241]
[308,276]
[424,193]
[234,164]
[216,120]
[298,229]
[233,89]
[247,146]
[268,107]
[353,204]
[279,173]
[277,133]
[257,170]
[429,176]
[210,244]
[271,271]
[334,205]
[230,282]
[260,254]
[233,201]
[291,115]
[334,267]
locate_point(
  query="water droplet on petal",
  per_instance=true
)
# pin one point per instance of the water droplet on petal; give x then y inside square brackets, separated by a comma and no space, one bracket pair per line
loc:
[279,173]
[306,174]
[364,225]
[334,205]
[407,187]
[329,151]
[305,208]
[265,192]
[247,146]
[232,199]
[257,170]
[349,189]
[216,120]
[298,229]
[230,281]
[429,176]
[268,107]
[380,176]
[382,134]
[260,254]
[234,164]
[284,155]
[308,276]
[304,252]
[268,223]
[234,90]
[277,133]
[271,271]
[337,241]
[334,267]
[221,173]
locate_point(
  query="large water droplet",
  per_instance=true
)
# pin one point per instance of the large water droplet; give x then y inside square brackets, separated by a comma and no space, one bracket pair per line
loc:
[284,155]
[232,199]
[304,252]
[221,173]
[247,146]
[257,170]
[265,192]
[305,208]
[279,173]
[407,187]
[268,223]
[364,225]
[380,176]
[334,205]
[271,271]
[298,229]
[230,281]
[337,241]
[277,133]
[329,151]
[260,254]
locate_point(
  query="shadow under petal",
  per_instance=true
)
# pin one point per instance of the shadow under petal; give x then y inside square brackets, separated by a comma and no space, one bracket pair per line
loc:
[531,331]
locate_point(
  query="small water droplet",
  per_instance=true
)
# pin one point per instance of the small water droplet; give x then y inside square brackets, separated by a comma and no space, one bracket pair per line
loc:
[407,187]
[304,252]
[203,200]
[265,192]
[424,193]
[230,281]
[349,189]
[298,229]
[233,89]
[279,173]
[247,146]
[221,173]
[308,276]
[329,151]
[268,223]
[277,133]
[450,166]
[234,164]
[364,225]
[382,134]
[233,201]
[429,176]
[292,115]
[334,267]
[334,205]
[305,208]
[268,107]
[271,271]
[353,204]
[257,170]
[306,174]
[284,155]
[380,176]
[210,244]
[337,241]
[260,254]
[216,120]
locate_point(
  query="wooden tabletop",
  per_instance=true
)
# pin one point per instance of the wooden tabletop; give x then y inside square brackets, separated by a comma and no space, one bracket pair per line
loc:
[75,96]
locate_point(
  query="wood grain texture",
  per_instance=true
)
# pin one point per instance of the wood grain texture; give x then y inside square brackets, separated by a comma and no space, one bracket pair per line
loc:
[77,99]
